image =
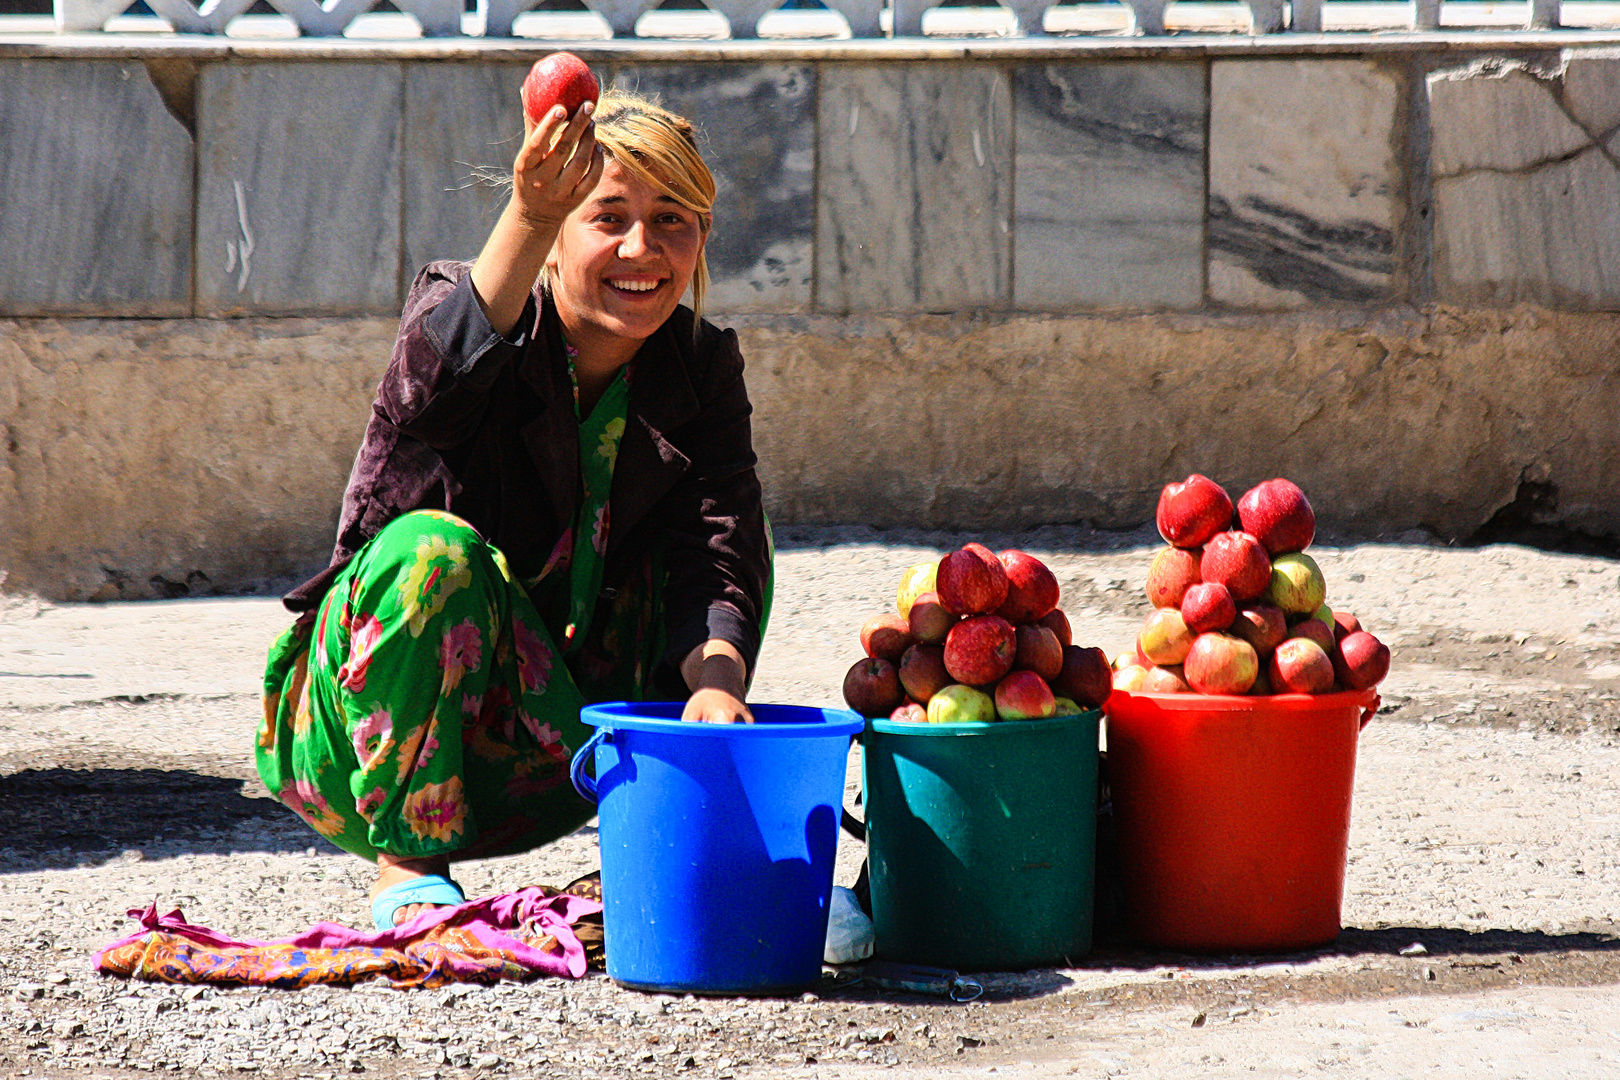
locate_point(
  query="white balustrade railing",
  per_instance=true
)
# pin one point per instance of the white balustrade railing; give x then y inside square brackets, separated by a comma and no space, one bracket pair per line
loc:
[444,18]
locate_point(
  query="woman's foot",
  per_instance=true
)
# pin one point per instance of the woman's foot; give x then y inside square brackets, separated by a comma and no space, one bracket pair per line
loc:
[392,870]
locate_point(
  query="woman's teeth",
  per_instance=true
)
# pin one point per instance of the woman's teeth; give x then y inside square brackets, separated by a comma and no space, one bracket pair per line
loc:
[634,286]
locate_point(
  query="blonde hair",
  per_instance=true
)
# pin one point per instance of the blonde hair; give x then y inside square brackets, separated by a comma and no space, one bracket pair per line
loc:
[659,148]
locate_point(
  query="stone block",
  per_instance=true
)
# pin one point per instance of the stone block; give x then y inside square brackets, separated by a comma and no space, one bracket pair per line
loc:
[463,128]
[1304,185]
[299,195]
[1109,200]
[915,187]
[98,176]
[757,131]
[1526,193]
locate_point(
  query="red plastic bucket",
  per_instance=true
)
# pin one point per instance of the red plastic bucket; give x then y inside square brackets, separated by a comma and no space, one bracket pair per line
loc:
[1233,815]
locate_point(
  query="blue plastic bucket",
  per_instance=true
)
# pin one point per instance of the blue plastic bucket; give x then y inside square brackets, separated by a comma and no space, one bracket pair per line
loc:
[717,843]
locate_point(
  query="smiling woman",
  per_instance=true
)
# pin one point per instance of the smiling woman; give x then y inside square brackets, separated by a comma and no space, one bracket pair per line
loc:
[554,504]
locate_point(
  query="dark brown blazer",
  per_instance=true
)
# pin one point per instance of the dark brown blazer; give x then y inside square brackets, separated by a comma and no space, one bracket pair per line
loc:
[483,426]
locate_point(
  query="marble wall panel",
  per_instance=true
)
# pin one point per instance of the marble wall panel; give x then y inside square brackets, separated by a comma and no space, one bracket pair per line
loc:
[1109,200]
[1305,190]
[98,176]
[299,195]
[463,127]
[1526,186]
[915,187]
[757,131]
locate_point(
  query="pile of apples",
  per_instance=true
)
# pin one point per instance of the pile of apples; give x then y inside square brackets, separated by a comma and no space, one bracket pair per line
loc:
[976,637]
[1243,610]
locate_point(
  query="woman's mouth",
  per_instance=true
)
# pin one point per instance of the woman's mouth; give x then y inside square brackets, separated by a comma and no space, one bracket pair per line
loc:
[634,286]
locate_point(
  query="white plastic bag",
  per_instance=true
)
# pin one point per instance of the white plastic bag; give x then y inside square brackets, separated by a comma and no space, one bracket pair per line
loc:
[849,931]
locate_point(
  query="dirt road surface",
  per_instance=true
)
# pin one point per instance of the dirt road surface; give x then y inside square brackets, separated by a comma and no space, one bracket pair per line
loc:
[1486,830]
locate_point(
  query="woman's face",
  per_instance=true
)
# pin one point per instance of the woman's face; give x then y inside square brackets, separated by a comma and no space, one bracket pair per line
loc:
[622,261]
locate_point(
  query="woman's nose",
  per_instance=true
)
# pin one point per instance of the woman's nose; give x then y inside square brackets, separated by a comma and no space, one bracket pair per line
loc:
[634,244]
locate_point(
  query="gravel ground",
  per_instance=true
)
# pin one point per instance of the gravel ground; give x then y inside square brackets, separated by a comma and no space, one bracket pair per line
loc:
[1485,831]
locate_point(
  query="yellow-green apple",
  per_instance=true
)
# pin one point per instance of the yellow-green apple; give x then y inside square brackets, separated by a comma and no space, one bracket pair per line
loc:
[1066,707]
[917,580]
[1208,606]
[958,704]
[1279,515]
[1038,651]
[928,619]
[922,671]
[1130,678]
[872,687]
[1300,666]
[971,581]
[1192,511]
[1262,625]
[1236,560]
[1172,572]
[1296,584]
[1344,623]
[910,713]
[1165,638]
[980,650]
[1168,679]
[886,636]
[559,79]
[1361,661]
[1024,695]
[1032,591]
[1086,676]
[1126,659]
[1221,664]
[1058,623]
[1315,630]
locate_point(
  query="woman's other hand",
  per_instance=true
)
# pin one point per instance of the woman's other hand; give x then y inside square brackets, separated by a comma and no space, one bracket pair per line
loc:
[718,679]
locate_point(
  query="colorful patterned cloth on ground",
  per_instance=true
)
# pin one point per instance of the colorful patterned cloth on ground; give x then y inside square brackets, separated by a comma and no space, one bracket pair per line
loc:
[522,935]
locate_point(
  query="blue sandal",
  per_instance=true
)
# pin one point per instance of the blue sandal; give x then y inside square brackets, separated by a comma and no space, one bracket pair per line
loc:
[427,889]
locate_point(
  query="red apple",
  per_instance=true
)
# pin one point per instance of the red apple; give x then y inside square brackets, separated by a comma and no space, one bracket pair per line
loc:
[559,79]
[886,636]
[1166,680]
[872,687]
[1193,511]
[1261,625]
[1131,677]
[1316,631]
[1058,623]
[971,581]
[1024,695]
[1262,683]
[1086,676]
[928,619]
[1221,664]
[980,650]
[1208,606]
[1279,515]
[910,713]
[1032,591]
[1300,666]
[1038,651]
[922,671]
[1173,572]
[1344,624]
[1361,661]
[1165,638]
[1236,560]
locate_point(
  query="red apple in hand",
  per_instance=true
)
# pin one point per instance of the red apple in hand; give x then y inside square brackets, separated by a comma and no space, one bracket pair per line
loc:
[1208,606]
[1086,676]
[971,581]
[1024,695]
[1032,591]
[886,636]
[872,687]
[1173,571]
[559,79]
[1058,623]
[1278,514]
[980,650]
[1193,511]
[1236,560]
[922,671]
[1038,651]
[1221,664]
[1262,626]
[1361,661]
[1299,666]
[928,619]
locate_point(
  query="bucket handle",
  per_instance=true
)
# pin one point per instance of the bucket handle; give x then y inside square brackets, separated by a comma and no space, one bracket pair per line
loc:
[583,783]
[1370,711]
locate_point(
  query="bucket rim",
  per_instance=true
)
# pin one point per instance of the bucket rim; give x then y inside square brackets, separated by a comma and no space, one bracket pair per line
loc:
[885,726]
[1246,703]
[633,716]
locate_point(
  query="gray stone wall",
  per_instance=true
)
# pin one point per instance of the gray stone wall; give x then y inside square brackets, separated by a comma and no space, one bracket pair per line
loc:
[1008,286]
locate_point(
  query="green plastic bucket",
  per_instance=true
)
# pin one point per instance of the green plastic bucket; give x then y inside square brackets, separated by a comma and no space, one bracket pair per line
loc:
[982,840]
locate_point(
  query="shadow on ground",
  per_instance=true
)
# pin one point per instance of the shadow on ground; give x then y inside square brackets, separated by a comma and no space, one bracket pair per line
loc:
[67,817]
